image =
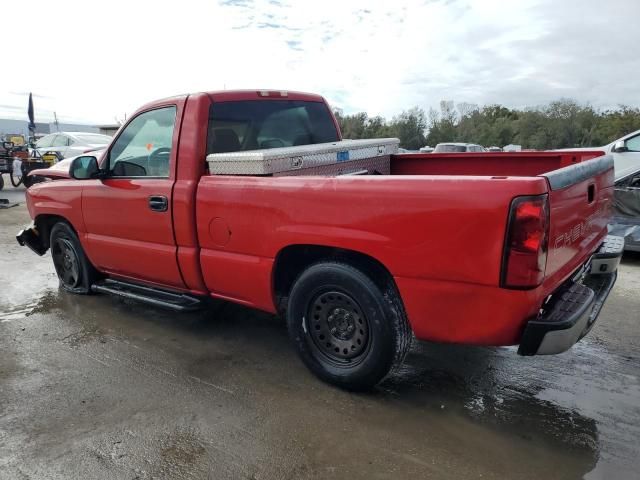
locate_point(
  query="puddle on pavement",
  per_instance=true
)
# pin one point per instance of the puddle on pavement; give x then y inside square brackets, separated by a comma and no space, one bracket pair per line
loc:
[27,283]
[489,386]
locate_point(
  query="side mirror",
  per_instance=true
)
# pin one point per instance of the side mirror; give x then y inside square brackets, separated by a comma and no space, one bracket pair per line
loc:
[619,147]
[83,168]
[7,145]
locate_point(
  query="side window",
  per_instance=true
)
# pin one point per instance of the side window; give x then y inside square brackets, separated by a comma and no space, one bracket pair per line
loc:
[633,144]
[61,141]
[45,141]
[143,149]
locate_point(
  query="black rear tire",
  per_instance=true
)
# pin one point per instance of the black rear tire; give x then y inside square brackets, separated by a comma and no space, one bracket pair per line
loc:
[1,182]
[75,272]
[348,331]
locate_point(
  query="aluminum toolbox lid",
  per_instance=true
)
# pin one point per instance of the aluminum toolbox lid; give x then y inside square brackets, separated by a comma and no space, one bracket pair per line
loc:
[274,160]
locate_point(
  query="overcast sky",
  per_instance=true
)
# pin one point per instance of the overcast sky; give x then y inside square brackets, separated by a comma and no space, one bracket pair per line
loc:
[94,61]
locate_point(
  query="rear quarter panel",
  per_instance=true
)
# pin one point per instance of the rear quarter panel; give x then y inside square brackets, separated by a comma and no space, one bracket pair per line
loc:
[437,228]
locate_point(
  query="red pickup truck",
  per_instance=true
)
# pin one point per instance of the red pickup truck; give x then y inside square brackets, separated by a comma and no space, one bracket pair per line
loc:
[474,248]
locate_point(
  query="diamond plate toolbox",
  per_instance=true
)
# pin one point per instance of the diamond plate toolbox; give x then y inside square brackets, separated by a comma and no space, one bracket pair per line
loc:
[336,158]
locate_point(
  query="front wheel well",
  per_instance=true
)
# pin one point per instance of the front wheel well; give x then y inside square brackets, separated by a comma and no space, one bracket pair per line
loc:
[292,260]
[44,223]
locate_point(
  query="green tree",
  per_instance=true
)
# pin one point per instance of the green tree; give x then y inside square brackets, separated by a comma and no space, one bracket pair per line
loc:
[563,123]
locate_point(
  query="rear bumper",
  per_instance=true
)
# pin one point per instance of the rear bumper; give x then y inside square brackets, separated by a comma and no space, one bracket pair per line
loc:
[30,237]
[573,309]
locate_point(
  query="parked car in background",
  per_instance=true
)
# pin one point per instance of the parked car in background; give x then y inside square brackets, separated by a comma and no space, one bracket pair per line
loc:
[70,144]
[625,152]
[512,148]
[457,148]
[494,149]
[626,209]
[426,149]
[626,159]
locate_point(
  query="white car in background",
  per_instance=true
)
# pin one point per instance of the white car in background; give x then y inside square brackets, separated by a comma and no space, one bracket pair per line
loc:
[626,208]
[70,144]
[457,147]
[625,152]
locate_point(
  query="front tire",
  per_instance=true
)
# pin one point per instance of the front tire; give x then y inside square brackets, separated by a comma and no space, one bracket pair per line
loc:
[75,272]
[347,330]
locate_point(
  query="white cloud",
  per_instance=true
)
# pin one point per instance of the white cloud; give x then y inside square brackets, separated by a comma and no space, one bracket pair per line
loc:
[104,59]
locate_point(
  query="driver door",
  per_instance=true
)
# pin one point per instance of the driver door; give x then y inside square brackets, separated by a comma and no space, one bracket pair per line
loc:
[128,214]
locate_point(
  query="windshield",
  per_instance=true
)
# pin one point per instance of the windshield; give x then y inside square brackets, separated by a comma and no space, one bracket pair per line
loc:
[449,148]
[258,124]
[93,138]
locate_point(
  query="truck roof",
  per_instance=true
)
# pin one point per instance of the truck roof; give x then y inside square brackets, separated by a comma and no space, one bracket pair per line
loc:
[247,94]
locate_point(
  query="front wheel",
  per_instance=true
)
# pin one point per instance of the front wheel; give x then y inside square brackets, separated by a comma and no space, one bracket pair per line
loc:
[347,330]
[75,272]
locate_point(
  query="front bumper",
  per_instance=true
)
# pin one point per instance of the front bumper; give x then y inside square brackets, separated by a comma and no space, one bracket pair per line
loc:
[30,237]
[572,310]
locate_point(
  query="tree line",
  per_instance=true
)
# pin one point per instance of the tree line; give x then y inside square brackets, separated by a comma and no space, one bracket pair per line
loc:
[560,124]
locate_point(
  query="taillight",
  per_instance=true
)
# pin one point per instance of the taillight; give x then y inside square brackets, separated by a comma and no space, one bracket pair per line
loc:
[525,248]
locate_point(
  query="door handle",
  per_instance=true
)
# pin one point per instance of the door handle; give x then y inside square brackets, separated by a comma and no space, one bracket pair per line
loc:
[158,203]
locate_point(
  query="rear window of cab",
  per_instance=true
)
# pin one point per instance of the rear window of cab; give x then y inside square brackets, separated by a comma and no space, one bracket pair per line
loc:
[258,124]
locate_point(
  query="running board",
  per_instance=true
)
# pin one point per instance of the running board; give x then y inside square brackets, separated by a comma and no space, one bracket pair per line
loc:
[178,302]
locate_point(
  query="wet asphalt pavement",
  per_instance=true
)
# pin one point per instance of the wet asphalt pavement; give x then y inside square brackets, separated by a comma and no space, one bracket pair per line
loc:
[98,387]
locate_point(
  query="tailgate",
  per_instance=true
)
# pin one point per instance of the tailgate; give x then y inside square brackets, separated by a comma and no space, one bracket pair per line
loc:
[580,199]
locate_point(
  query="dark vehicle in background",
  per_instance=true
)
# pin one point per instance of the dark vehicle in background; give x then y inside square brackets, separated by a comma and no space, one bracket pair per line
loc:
[626,209]
[71,144]
[457,147]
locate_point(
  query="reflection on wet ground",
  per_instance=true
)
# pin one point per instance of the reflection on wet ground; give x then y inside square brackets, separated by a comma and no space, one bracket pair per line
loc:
[96,386]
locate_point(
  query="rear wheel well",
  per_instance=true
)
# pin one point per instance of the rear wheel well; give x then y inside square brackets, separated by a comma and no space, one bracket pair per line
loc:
[291,261]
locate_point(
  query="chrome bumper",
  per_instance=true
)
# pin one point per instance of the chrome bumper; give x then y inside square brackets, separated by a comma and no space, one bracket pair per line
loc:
[574,308]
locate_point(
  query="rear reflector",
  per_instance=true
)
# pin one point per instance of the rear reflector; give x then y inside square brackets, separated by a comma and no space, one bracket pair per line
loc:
[525,248]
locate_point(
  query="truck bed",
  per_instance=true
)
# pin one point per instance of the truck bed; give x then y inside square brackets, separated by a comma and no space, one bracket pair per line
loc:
[515,164]
[438,223]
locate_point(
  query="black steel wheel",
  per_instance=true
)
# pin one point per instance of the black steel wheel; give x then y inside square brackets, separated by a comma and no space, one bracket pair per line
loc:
[348,330]
[338,327]
[75,272]
[66,261]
